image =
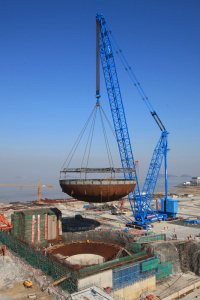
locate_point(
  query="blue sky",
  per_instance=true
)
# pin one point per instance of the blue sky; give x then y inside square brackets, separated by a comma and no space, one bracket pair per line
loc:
[47,80]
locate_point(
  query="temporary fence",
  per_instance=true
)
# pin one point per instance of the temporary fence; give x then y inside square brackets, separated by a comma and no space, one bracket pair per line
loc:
[164,270]
[149,264]
[39,260]
[132,273]
[152,238]
[136,247]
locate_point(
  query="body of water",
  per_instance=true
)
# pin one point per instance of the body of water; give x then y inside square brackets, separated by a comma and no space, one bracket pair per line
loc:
[14,194]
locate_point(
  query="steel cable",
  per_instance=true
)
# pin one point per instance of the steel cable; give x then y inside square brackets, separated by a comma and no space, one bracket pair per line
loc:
[77,142]
[86,146]
[109,123]
[110,159]
[130,73]
[92,133]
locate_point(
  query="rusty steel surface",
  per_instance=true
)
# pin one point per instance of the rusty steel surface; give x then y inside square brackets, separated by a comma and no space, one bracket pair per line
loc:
[108,251]
[97,190]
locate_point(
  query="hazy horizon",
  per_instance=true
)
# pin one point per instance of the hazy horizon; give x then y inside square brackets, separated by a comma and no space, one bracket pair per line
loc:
[14,194]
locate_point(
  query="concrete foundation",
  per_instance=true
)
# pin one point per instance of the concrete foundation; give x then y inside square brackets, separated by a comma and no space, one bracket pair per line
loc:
[102,280]
[134,291]
[85,259]
[166,251]
[177,286]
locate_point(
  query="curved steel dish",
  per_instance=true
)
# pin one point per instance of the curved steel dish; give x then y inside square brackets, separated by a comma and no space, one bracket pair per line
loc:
[97,190]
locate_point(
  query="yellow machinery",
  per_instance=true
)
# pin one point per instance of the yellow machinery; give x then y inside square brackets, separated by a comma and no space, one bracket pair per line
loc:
[28,283]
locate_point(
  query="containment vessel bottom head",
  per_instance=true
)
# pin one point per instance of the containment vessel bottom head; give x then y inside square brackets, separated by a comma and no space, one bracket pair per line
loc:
[97,190]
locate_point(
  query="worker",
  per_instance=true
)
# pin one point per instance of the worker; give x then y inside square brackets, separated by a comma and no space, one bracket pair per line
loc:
[3,250]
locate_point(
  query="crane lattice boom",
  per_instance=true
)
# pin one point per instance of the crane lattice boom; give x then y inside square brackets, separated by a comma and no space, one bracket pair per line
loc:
[104,49]
[140,202]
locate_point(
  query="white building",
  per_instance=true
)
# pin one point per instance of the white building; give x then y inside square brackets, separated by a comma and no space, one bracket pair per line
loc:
[187,183]
[92,293]
[195,180]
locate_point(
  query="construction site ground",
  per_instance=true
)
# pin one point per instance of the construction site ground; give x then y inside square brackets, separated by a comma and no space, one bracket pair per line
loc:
[14,272]
[189,207]
[19,292]
[184,286]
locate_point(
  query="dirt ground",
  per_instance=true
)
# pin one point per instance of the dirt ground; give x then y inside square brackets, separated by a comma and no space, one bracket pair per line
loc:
[189,207]
[181,190]
[19,292]
[176,283]
[14,272]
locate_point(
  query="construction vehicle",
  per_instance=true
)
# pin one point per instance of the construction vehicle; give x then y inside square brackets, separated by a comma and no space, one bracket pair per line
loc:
[151,297]
[140,201]
[28,284]
[38,186]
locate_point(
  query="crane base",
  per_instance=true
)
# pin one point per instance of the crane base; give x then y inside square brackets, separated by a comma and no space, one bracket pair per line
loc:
[146,224]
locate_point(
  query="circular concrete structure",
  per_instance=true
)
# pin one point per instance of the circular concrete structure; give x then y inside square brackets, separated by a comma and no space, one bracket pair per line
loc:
[78,223]
[85,259]
[77,254]
[97,190]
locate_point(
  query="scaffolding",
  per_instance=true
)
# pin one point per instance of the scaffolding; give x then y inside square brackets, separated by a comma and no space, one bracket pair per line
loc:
[38,259]
[152,238]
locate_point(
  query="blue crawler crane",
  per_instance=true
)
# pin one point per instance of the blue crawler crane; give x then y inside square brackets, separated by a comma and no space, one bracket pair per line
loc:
[140,201]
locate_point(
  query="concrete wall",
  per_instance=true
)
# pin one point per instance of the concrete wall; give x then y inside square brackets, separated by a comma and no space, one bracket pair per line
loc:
[134,291]
[116,237]
[166,251]
[189,253]
[102,280]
